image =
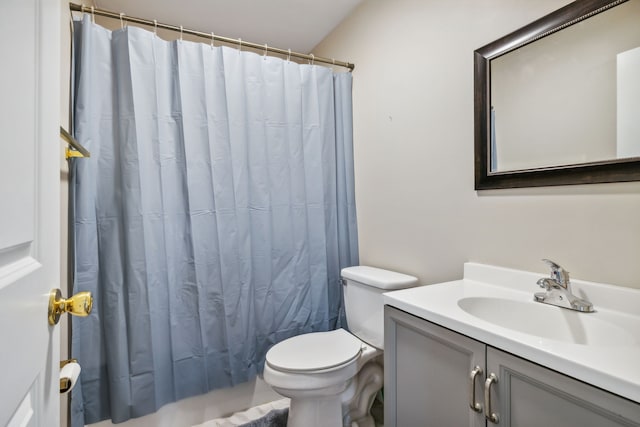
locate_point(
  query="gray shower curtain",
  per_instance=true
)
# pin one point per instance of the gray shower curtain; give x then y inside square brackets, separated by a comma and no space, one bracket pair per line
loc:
[211,220]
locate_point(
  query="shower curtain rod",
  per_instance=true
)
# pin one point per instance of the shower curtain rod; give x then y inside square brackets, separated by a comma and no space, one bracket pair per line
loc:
[239,42]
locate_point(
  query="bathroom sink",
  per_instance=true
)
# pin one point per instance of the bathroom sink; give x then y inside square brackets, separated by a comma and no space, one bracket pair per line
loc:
[549,322]
[495,306]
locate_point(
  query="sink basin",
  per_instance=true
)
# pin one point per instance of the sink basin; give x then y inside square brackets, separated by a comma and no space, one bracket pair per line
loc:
[494,305]
[548,322]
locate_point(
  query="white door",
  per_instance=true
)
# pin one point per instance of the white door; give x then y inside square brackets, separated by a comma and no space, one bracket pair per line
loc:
[29,211]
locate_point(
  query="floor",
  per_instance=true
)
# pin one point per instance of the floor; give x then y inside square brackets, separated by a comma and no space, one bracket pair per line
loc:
[258,415]
[377,410]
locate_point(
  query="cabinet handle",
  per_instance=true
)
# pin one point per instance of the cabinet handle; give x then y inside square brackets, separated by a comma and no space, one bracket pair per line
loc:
[475,406]
[489,414]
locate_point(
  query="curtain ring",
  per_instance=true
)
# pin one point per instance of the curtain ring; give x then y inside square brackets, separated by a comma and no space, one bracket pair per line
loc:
[180,32]
[155,27]
[289,55]
[240,43]
[93,16]
[213,37]
[266,49]
[334,61]
[121,20]
[313,58]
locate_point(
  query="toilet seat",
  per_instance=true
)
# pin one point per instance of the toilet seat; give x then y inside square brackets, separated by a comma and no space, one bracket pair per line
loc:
[316,351]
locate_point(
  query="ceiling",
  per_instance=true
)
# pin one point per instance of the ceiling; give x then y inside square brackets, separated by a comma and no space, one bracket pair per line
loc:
[298,25]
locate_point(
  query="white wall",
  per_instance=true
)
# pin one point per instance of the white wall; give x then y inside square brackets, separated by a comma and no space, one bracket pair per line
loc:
[413,113]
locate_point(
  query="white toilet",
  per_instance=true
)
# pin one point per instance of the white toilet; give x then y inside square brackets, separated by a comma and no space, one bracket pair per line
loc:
[332,377]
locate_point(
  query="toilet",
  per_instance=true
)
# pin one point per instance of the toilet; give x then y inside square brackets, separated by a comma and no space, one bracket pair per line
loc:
[332,377]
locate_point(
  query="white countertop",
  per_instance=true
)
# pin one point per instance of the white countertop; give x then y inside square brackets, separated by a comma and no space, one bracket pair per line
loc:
[613,367]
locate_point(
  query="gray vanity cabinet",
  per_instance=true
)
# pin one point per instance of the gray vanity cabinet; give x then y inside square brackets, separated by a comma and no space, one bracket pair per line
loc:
[428,380]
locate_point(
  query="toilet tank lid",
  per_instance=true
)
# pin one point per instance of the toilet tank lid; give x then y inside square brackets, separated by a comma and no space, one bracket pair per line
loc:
[379,278]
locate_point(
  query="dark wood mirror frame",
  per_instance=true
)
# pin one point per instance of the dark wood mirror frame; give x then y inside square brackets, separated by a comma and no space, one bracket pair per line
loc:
[584,173]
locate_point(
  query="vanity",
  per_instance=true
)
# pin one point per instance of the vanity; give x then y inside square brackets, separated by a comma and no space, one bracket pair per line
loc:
[480,352]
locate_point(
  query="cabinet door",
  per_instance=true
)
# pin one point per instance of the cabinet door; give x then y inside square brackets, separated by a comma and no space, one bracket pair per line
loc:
[427,374]
[529,395]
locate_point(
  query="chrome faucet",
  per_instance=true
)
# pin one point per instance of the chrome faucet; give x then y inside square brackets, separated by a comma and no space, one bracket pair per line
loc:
[558,290]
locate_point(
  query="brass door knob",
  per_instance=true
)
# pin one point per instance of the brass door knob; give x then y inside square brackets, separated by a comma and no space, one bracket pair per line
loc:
[79,305]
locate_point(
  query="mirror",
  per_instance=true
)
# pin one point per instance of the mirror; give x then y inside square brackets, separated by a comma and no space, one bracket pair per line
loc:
[557,102]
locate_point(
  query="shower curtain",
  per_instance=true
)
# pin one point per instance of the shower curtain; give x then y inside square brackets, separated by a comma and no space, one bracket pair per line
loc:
[211,220]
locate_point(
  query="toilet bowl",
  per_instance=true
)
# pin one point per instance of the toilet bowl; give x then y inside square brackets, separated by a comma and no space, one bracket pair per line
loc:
[318,386]
[332,377]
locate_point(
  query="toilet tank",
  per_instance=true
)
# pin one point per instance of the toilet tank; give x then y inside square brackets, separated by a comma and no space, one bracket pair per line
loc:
[364,306]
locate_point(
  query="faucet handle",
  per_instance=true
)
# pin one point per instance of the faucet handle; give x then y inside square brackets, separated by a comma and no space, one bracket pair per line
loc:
[546,283]
[558,274]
